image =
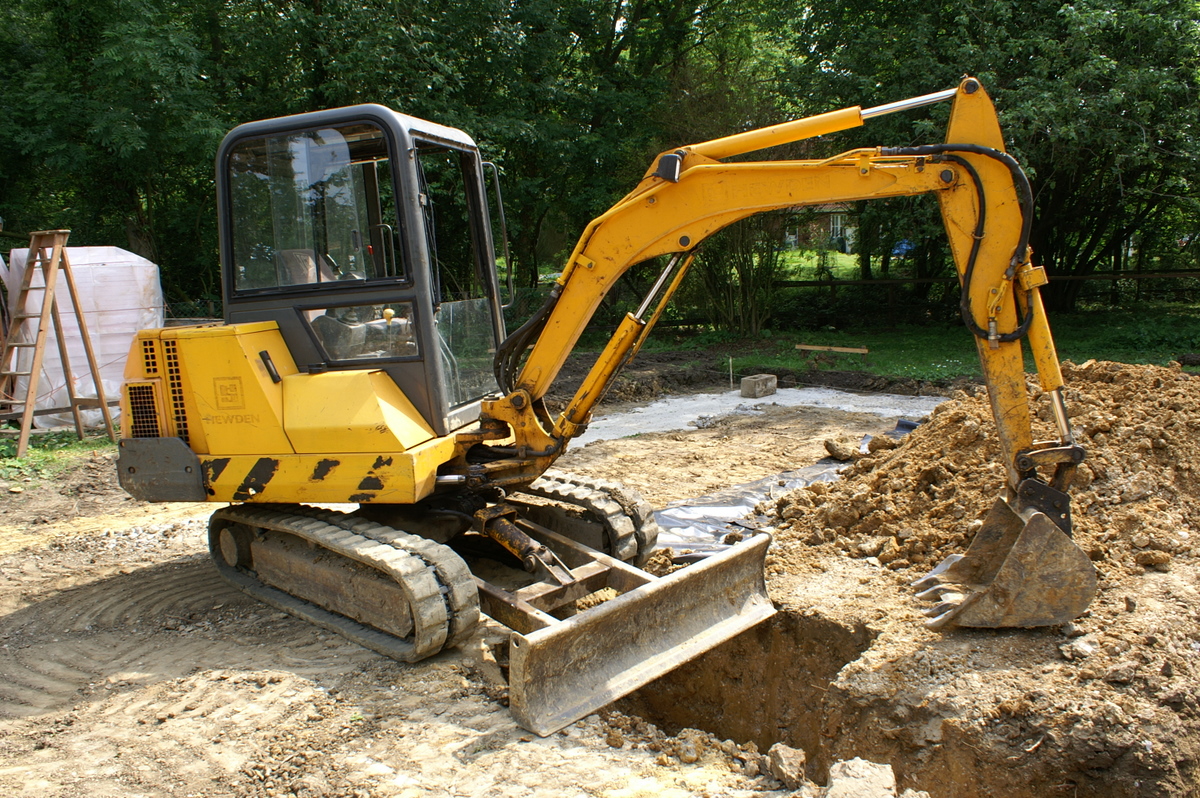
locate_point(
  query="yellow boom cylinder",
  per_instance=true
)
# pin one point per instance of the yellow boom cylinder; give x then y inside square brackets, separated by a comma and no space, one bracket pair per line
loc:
[783,133]
[1045,357]
[614,356]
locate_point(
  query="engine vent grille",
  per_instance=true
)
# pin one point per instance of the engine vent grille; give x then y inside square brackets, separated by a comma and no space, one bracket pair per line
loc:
[143,411]
[175,384]
[149,357]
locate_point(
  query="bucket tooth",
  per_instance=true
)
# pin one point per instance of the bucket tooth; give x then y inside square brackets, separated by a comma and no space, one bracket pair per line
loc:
[945,595]
[1016,573]
[939,592]
[933,578]
[944,614]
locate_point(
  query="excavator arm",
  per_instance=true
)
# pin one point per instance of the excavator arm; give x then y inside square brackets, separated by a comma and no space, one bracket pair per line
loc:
[690,193]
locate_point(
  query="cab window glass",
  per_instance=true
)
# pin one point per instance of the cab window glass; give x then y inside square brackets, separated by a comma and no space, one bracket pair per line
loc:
[445,201]
[452,218]
[313,207]
[365,332]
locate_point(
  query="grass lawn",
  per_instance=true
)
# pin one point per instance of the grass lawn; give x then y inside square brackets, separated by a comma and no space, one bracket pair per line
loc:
[805,264]
[49,452]
[1153,335]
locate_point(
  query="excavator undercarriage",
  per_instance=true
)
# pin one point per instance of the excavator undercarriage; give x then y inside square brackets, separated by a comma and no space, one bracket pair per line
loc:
[408,597]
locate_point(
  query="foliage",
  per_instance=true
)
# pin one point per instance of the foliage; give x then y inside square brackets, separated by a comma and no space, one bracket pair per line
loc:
[117,107]
[1148,333]
[48,453]
[122,103]
[1099,99]
[738,271]
[110,108]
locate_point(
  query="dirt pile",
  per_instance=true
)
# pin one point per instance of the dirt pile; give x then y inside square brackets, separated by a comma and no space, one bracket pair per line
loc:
[1134,498]
[1106,705]
[88,485]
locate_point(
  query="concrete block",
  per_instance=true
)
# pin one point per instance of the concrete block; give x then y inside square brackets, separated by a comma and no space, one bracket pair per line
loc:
[758,385]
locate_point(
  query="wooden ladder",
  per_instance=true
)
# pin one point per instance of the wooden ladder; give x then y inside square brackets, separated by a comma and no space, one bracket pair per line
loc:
[47,254]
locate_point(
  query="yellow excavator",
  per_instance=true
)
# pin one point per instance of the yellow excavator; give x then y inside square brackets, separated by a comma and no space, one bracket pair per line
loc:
[363,361]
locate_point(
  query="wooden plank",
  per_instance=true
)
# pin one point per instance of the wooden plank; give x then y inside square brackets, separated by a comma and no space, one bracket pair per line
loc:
[49,264]
[848,350]
[45,411]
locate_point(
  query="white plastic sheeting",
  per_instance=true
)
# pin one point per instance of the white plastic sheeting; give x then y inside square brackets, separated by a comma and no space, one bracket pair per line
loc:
[699,525]
[680,412]
[119,293]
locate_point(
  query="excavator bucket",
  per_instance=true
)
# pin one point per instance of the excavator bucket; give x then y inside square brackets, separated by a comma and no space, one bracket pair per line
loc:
[569,668]
[1021,570]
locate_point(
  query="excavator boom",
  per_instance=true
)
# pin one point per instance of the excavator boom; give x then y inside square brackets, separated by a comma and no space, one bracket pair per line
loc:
[688,194]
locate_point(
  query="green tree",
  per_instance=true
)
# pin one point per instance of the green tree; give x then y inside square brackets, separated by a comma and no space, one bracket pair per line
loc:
[1099,99]
[736,274]
[113,128]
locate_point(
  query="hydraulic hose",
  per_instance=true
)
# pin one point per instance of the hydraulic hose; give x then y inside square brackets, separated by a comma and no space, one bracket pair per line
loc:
[510,350]
[945,152]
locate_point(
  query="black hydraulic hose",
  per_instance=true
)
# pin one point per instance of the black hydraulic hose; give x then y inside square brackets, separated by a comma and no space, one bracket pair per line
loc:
[510,350]
[968,278]
[944,152]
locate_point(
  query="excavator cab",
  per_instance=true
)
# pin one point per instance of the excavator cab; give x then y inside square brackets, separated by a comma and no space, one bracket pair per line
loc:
[364,234]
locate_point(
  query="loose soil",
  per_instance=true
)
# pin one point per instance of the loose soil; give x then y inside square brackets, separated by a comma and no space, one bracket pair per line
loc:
[130,668]
[1103,706]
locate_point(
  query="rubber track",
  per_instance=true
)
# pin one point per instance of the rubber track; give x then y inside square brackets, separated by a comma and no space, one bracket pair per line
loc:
[453,575]
[416,579]
[632,530]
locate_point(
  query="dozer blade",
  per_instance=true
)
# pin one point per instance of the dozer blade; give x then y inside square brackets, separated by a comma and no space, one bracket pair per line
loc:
[1018,572]
[571,668]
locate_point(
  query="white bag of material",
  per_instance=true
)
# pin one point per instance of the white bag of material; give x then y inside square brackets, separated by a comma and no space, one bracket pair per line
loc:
[119,293]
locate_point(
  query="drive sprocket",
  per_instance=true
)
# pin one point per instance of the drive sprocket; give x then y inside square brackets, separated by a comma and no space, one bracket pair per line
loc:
[608,516]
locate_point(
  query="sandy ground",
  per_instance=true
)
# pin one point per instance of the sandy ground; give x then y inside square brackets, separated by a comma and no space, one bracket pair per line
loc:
[130,668]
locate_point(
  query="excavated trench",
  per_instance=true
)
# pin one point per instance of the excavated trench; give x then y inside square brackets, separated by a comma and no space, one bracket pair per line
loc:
[839,688]
[768,685]
[779,683]
[1104,706]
